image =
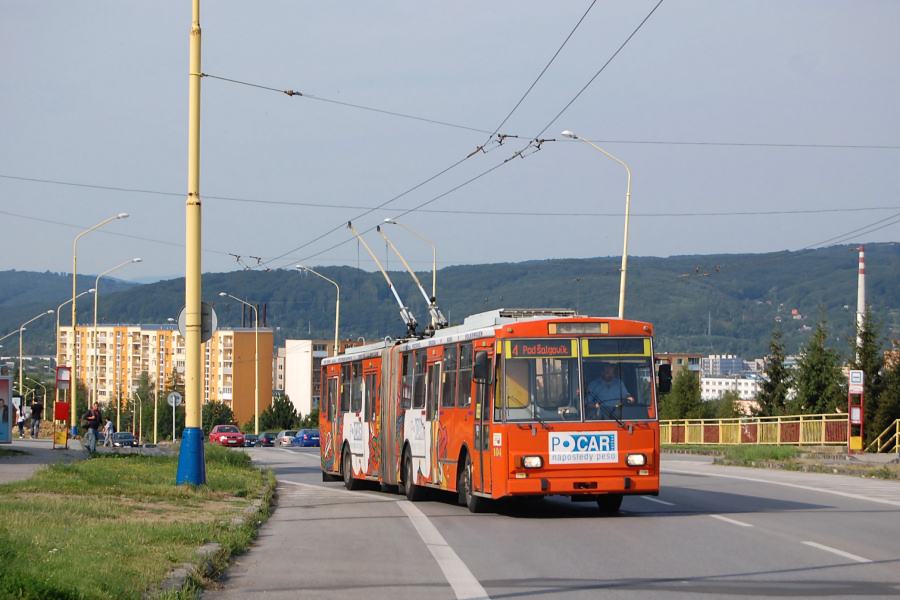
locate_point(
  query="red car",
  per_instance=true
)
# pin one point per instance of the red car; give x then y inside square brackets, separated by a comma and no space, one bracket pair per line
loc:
[226,435]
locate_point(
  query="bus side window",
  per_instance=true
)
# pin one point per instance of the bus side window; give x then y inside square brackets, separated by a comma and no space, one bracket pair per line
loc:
[464,380]
[345,388]
[421,358]
[356,387]
[406,382]
[370,397]
[433,393]
[449,393]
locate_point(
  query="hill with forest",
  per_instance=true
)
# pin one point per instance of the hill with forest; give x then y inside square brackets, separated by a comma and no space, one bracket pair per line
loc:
[708,304]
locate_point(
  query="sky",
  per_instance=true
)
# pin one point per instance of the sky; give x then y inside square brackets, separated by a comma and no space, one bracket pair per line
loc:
[748,127]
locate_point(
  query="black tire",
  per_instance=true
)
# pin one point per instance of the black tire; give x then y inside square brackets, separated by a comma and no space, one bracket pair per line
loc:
[610,503]
[350,482]
[414,493]
[475,504]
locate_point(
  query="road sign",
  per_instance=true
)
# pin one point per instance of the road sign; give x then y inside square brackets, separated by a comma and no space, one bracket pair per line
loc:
[856,382]
[174,399]
[209,322]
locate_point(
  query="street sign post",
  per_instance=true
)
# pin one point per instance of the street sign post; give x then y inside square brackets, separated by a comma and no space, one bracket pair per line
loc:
[174,400]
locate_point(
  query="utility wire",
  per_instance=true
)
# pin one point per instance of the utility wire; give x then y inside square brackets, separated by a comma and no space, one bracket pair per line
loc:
[293,93]
[597,74]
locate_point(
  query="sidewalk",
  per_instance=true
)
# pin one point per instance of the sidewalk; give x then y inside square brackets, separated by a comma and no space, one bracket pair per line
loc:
[37,454]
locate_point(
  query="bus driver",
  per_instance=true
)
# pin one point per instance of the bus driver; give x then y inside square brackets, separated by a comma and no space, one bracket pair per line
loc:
[607,391]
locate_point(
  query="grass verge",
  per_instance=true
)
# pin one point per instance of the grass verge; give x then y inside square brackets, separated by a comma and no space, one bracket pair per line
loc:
[115,526]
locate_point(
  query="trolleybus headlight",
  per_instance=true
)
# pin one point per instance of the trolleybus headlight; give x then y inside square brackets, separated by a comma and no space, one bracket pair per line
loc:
[532,462]
[636,460]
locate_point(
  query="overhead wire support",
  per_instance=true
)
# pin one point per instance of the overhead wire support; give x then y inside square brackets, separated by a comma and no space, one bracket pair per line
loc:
[405,313]
[437,319]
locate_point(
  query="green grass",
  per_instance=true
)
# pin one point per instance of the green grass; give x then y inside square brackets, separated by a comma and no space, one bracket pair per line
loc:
[117,525]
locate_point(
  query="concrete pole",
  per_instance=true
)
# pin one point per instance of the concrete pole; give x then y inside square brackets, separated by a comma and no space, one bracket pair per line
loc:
[860,298]
[191,461]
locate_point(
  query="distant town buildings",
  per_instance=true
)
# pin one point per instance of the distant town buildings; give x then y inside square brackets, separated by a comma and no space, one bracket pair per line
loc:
[112,358]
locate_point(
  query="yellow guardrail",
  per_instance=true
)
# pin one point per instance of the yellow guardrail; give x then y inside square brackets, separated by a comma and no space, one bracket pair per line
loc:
[891,443]
[797,430]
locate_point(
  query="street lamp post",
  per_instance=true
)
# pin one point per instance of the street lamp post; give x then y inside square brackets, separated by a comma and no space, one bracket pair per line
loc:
[256,359]
[337,305]
[58,310]
[569,134]
[75,315]
[21,329]
[96,349]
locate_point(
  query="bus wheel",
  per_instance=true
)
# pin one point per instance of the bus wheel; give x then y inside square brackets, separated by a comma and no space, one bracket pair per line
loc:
[414,493]
[609,503]
[350,482]
[476,504]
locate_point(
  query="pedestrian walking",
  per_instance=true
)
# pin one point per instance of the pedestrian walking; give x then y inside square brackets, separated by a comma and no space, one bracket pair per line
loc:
[91,421]
[108,432]
[20,421]
[37,411]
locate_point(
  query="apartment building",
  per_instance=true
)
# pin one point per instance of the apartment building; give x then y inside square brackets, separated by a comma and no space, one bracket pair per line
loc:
[111,359]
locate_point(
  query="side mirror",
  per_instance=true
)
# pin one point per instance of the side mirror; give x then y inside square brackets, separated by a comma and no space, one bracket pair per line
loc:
[664,378]
[481,369]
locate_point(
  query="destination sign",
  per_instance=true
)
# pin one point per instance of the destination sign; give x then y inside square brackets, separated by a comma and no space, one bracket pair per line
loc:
[540,349]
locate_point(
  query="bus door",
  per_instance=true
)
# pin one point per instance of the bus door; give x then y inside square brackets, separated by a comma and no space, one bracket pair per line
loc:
[389,468]
[371,422]
[330,456]
[481,462]
[435,437]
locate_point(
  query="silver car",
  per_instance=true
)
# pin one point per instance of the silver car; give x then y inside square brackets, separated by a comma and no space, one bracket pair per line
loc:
[284,438]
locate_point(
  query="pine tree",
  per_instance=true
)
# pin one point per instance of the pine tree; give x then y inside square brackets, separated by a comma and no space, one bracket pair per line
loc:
[683,402]
[818,376]
[281,415]
[774,390]
[888,409]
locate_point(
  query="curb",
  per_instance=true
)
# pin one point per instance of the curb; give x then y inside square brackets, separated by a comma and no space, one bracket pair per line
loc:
[211,554]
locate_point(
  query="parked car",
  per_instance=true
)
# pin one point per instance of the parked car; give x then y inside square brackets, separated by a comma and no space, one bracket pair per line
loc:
[265,440]
[124,439]
[226,435]
[249,439]
[306,437]
[284,438]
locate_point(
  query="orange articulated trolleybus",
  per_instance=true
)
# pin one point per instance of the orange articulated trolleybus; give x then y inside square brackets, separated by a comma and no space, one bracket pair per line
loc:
[510,403]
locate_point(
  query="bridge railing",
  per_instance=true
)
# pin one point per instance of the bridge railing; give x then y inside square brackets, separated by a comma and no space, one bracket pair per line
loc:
[888,441]
[797,430]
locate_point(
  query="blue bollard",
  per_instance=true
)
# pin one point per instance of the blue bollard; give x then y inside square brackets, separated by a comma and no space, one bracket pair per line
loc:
[191,458]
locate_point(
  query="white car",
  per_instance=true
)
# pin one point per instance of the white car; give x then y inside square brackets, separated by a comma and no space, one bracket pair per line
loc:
[284,438]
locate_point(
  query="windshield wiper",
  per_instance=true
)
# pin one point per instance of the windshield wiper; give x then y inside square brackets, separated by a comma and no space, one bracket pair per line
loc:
[531,409]
[606,409]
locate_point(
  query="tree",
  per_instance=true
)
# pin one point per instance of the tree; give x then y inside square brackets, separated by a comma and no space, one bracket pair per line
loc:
[729,405]
[773,395]
[281,415]
[868,358]
[683,402]
[888,409]
[818,376]
[215,413]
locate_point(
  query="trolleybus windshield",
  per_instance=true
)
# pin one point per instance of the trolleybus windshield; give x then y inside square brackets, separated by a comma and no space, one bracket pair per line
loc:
[586,379]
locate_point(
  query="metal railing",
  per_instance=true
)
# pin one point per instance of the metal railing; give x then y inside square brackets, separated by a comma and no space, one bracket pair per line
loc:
[891,443]
[797,430]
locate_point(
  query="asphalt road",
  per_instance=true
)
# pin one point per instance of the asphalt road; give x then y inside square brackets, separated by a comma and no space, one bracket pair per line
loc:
[713,532]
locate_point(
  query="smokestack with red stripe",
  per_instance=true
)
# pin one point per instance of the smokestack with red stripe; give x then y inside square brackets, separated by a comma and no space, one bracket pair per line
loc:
[860,295]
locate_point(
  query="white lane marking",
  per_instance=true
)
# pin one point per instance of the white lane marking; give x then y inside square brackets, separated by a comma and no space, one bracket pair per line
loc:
[732,521]
[784,483]
[838,552]
[455,570]
[657,500]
